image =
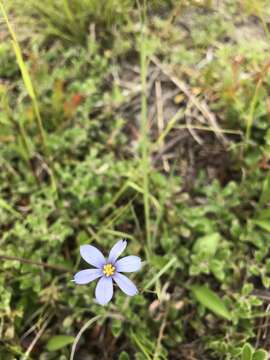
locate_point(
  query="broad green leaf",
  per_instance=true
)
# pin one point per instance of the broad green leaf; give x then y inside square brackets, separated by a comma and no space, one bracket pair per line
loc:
[211,301]
[207,244]
[263,224]
[247,352]
[59,341]
[260,355]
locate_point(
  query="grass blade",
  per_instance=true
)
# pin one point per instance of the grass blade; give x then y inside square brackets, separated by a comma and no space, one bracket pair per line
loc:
[211,301]
[26,77]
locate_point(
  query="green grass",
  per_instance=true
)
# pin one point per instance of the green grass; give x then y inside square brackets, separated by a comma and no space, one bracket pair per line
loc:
[69,21]
[78,102]
[26,77]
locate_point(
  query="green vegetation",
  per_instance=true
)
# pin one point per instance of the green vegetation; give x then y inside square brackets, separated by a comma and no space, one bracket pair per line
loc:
[140,120]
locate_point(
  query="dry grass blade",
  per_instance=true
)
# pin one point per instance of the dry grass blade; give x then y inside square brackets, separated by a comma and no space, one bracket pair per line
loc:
[160,118]
[38,335]
[160,336]
[201,106]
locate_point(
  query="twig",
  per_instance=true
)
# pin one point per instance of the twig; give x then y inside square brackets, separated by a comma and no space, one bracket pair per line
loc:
[37,263]
[170,144]
[266,324]
[205,128]
[189,125]
[193,132]
[201,106]
[38,335]
[160,336]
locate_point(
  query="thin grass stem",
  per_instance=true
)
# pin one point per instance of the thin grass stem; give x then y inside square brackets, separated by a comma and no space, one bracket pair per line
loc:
[144,129]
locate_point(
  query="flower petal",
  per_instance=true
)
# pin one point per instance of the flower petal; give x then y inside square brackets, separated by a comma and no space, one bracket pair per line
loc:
[128,264]
[117,250]
[86,276]
[125,284]
[92,255]
[104,290]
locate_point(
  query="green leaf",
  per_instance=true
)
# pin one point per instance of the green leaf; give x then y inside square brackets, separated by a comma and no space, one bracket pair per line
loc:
[211,301]
[124,356]
[207,244]
[7,207]
[247,352]
[263,224]
[260,355]
[263,215]
[265,195]
[59,341]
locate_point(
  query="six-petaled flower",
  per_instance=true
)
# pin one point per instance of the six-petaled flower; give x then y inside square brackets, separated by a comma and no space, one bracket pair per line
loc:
[108,270]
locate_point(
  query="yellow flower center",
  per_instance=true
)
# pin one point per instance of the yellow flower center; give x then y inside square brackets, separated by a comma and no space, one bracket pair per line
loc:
[108,270]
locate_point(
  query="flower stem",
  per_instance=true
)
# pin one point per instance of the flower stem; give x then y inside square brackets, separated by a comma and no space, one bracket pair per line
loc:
[144,128]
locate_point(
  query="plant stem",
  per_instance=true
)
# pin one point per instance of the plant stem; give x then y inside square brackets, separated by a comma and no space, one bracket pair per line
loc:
[144,129]
[40,127]
[32,262]
[159,274]
[86,326]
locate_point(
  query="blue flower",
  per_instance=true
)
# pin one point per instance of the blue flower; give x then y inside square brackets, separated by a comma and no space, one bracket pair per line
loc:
[108,270]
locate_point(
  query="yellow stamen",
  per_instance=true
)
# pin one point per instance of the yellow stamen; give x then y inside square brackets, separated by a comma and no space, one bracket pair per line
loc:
[108,270]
